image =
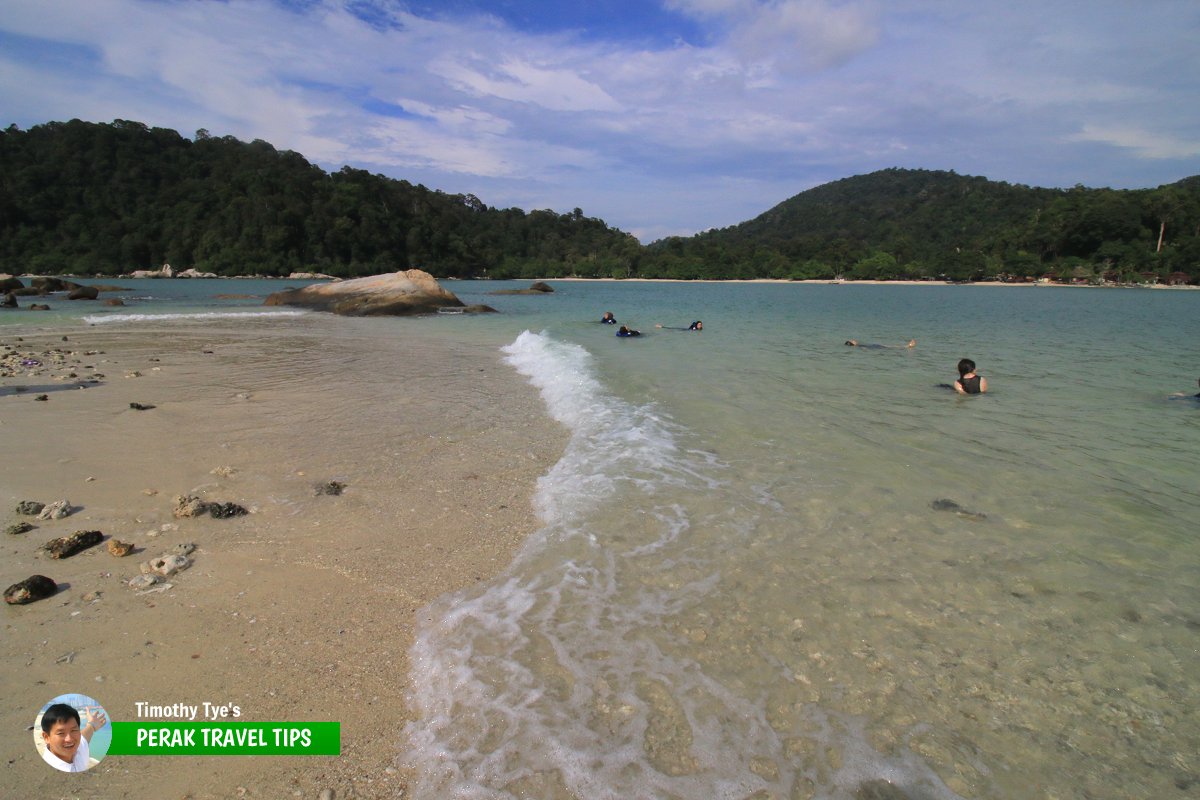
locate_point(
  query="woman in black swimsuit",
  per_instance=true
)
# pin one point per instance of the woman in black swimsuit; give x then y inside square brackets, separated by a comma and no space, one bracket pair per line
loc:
[968,382]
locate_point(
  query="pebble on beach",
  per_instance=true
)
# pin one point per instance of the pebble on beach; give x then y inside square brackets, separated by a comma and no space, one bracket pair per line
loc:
[143,581]
[35,587]
[56,510]
[226,510]
[189,506]
[165,565]
[30,508]
[18,528]
[333,488]
[118,548]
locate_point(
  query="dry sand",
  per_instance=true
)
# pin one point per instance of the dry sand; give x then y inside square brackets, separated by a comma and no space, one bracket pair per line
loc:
[302,610]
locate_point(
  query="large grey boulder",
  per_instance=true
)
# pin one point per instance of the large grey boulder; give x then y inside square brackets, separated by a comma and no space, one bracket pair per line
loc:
[393,294]
[84,293]
[537,287]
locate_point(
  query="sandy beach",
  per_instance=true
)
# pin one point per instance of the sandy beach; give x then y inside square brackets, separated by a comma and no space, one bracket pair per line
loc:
[300,610]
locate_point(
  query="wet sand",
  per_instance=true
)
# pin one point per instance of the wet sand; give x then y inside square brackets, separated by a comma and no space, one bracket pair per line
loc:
[302,609]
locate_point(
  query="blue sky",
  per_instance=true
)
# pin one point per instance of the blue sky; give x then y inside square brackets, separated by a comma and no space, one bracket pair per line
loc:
[661,117]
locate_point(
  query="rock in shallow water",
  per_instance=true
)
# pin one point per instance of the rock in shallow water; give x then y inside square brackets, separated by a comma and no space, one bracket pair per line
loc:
[949,505]
[400,293]
[879,790]
[226,510]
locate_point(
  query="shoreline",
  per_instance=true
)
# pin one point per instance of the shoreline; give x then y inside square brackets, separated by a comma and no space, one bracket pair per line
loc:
[302,610]
[870,283]
[807,281]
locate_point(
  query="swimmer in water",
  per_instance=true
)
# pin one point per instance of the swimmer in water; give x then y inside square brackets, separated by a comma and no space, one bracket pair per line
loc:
[968,382]
[695,326]
[608,318]
[624,331]
[1185,394]
[855,343]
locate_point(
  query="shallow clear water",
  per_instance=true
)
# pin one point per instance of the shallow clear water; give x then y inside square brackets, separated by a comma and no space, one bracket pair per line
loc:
[743,586]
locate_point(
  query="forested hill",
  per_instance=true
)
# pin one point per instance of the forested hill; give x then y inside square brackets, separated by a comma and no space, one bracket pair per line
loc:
[89,198]
[917,223]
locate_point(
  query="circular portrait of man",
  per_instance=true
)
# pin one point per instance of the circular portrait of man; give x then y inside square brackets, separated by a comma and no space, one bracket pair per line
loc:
[72,733]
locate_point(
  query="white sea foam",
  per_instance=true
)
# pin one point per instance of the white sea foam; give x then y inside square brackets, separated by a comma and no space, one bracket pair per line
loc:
[611,441]
[106,319]
[568,671]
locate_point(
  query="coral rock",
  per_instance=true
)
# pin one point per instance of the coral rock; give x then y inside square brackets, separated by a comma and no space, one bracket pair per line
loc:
[118,548]
[66,546]
[35,587]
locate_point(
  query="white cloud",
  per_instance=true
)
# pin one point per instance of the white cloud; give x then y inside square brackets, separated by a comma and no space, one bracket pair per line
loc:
[790,34]
[1143,143]
[515,79]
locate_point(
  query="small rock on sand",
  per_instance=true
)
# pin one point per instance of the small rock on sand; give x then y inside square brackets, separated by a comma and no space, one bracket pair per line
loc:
[189,506]
[35,587]
[118,548]
[56,510]
[333,488]
[226,510]
[18,528]
[66,546]
[165,565]
[30,508]
[143,581]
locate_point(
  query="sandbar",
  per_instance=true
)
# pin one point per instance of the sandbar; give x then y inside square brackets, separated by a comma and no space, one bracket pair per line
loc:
[304,608]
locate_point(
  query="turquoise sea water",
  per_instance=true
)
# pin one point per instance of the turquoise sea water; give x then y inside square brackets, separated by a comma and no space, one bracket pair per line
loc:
[741,587]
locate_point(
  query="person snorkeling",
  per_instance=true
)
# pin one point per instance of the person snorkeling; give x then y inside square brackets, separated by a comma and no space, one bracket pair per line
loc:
[1185,394]
[695,326]
[968,382]
[872,346]
[608,319]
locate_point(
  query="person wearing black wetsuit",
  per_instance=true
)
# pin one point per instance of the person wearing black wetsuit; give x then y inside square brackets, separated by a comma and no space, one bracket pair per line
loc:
[968,382]
[624,331]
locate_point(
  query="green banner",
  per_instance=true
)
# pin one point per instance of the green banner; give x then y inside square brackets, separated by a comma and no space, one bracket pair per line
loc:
[226,739]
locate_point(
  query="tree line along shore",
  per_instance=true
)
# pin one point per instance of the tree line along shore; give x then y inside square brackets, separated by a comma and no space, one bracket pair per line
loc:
[103,199]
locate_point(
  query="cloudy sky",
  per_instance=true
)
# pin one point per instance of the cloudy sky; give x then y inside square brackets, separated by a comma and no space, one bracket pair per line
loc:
[659,116]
